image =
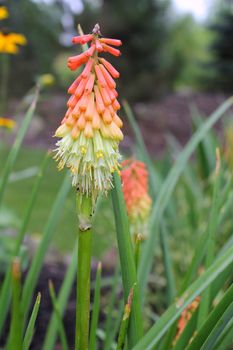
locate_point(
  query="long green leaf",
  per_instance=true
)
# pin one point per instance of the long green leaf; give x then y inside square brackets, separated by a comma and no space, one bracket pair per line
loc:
[62,299]
[219,328]
[109,320]
[225,340]
[96,309]
[212,320]
[171,288]
[167,189]
[173,312]
[16,325]
[128,270]
[16,146]
[5,294]
[211,234]
[61,328]
[31,324]
[49,232]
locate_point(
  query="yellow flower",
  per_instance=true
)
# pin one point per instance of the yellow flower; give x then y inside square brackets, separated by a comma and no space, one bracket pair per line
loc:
[7,123]
[46,80]
[9,42]
[3,12]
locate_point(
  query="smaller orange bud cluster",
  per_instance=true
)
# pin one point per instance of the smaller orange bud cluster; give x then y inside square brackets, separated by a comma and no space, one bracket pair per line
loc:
[186,315]
[135,189]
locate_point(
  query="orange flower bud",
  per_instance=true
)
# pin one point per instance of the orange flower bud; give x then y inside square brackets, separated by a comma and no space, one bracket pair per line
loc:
[135,189]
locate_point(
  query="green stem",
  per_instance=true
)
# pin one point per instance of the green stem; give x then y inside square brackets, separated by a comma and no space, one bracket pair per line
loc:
[4,82]
[83,273]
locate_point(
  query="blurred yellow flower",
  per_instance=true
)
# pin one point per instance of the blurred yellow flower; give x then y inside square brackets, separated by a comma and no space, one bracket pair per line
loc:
[7,123]
[46,80]
[9,42]
[3,12]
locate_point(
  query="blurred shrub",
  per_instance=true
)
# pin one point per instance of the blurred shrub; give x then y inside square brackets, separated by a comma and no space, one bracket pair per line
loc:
[64,75]
[186,50]
[143,28]
[220,66]
[40,23]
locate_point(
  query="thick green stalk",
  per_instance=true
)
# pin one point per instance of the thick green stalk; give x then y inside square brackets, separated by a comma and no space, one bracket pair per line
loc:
[84,271]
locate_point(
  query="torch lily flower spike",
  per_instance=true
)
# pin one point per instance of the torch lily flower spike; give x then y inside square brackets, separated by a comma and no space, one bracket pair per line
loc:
[91,129]
[134,177]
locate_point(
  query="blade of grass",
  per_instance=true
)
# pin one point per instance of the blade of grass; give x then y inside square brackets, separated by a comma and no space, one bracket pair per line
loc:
[31,324]
[49,231]
[5,294]
[225,340]
[16,146]
[96,308]
[218,329]
[109,322]
[204,152]
[129,276]
[62,299]
[171,288]
[167,189]
[61,328]
[16,324]
[211,233]
[203,242]
[173,312]
[203,334]
[125,322]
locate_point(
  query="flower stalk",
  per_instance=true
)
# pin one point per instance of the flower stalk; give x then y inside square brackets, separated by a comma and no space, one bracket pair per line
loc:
[89,134]
[84,208]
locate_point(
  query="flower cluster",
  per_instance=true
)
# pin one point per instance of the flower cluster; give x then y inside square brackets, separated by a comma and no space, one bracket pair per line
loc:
[91,129]
[135,189]
[9,41]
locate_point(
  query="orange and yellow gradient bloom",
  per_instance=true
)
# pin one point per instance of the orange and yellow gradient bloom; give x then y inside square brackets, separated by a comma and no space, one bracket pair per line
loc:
[91,129]
[134,177]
